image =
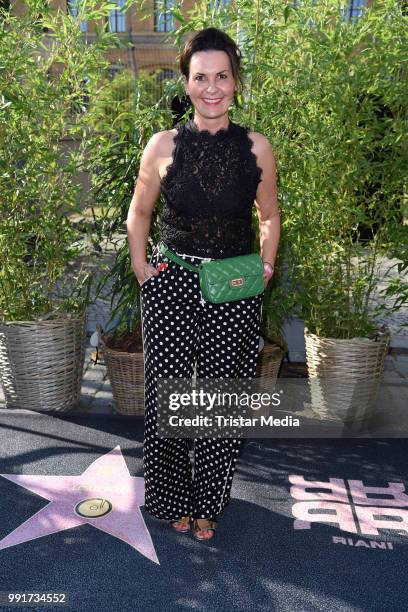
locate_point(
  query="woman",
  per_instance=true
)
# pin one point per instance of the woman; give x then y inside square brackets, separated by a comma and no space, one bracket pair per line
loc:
[209,171]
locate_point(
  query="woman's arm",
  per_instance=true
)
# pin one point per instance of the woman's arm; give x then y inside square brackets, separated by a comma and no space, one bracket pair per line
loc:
[267,202]
[147,191]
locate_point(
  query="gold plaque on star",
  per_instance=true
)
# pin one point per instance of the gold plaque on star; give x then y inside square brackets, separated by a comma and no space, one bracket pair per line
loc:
[93,507]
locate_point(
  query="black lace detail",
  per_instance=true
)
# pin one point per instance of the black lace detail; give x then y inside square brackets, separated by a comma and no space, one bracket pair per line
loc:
[209,190]
[206,236]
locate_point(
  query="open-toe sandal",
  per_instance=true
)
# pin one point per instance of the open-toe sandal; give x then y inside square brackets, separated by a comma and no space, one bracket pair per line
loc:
[206,525]
[182,525]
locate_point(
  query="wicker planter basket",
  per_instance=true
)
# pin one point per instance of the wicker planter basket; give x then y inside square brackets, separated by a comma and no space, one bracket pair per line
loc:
[344,375]
[41,362]
[126,375]
[269,362]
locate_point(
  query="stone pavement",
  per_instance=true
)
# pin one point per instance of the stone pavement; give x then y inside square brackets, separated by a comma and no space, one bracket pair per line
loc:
[96,392]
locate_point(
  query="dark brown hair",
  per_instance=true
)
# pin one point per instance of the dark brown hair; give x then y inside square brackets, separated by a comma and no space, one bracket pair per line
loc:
[212,39]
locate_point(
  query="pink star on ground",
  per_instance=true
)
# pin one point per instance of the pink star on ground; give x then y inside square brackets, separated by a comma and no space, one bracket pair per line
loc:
[108,478]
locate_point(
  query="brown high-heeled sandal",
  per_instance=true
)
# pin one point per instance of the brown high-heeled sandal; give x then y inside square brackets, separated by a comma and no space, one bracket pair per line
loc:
[184,523]
[210,525]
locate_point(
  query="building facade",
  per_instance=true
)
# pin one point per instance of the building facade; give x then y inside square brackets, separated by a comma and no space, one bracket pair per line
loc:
[147,29]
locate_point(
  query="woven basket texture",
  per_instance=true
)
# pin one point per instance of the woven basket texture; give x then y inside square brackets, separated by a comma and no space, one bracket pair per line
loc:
[126,374]
[344,374]
[269,362]
[41,362]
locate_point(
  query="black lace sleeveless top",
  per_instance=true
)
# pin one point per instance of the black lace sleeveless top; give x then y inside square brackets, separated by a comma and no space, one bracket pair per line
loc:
[208,192]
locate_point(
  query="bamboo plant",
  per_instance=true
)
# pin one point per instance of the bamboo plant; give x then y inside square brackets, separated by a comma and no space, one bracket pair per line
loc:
[330,95]
[42,102]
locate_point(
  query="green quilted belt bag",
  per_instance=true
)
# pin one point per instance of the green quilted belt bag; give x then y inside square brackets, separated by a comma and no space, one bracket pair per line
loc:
[225,280]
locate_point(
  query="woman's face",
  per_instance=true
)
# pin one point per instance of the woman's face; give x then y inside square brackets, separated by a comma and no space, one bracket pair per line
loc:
[211,85]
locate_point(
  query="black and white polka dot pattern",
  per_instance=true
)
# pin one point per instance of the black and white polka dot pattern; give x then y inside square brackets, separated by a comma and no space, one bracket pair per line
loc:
[180,330]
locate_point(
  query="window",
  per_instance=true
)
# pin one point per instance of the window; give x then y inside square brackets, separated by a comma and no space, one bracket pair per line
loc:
[73,6]
[354,9]
[117,21]
[163,20]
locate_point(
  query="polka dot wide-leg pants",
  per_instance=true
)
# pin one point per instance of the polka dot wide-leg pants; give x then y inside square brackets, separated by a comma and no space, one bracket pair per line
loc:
[180,332]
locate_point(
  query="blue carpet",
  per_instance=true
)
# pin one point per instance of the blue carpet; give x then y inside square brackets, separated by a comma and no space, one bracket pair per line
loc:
[265,556]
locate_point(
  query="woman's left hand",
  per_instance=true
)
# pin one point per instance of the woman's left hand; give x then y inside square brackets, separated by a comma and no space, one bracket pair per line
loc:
[268,273]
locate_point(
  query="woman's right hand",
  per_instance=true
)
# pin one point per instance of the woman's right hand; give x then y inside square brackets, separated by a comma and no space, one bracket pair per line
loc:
[144,271]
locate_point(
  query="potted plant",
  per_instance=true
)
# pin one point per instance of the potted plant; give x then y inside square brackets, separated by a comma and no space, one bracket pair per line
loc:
[43,294]
[123,120]
[338,112]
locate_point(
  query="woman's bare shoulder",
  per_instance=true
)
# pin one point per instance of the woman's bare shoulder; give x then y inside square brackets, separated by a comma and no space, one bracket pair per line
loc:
[262,149]
[260,143]
[157,151]
[162,142]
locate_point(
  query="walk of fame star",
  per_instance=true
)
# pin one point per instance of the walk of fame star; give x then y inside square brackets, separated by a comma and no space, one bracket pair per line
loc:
[105,496]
